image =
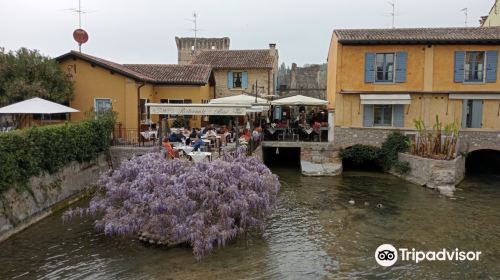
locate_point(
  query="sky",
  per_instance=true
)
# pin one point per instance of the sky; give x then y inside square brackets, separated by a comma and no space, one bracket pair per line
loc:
[133,31]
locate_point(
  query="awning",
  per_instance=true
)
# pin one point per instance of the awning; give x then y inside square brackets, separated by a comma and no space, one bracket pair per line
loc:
[240,99]
[385,99]
[258,109]
[36,106]
[197,109]
[298,100]
[475,96]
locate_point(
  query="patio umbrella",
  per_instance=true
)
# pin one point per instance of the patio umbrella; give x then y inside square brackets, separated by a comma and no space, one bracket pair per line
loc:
[36,106]
[299,100]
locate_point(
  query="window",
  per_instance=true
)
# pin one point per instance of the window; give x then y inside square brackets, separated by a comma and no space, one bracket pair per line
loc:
[237,79]
[145,116]
[474,66]
[472,114]
[102,105]
[382,115]
[384,63]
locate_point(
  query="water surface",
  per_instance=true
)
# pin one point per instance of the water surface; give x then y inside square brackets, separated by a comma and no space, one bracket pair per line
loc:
[314,233]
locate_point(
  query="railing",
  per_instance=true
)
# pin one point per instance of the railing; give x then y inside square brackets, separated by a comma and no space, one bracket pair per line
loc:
[296,134]
[132,137]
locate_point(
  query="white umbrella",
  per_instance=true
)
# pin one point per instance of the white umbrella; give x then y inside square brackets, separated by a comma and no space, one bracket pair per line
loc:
[300,100]
[36,106]
[241,99]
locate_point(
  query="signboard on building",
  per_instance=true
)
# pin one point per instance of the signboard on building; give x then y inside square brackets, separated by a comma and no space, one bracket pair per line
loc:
[199,110]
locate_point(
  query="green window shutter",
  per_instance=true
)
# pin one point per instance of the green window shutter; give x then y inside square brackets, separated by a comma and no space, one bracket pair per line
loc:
[229,79]
[401,62]
[477,114]
[459,72]
[491,66]
[399,115]
[244,80]
[369,67]
[367,115]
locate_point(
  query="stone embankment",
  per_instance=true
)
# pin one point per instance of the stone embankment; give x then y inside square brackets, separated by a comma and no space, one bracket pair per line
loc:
[22,206]
[441,175]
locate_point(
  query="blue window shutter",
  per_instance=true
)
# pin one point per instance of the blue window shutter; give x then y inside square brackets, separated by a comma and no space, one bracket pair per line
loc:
[459,72]
[464,114]
[367,115]
[244,82]
[491,66]
[229,79]
[369,67]
[401,62]
[477,114]
[399,115]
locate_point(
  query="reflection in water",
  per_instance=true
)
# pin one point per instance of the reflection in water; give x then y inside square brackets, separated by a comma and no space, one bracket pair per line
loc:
[315,233]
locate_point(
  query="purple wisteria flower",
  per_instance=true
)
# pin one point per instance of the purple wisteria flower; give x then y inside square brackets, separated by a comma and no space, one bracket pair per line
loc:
[205,204]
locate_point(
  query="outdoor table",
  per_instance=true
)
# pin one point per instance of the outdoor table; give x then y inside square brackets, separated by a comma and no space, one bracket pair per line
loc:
[186,149]
[199,156]
[149,134]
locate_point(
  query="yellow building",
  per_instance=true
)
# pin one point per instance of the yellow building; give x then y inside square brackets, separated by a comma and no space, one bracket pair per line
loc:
[100,85]
[240,71]
[493,18]
[381,80]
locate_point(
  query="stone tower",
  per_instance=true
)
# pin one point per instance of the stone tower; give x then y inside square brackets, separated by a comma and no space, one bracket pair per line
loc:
[185,47]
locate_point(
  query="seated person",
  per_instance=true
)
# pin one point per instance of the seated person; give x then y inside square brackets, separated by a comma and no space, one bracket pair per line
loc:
[168,147]
[174,138]
[211,133]
[193,134]
[198,143]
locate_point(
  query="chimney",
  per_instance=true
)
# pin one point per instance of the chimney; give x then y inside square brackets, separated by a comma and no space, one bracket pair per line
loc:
[272,49]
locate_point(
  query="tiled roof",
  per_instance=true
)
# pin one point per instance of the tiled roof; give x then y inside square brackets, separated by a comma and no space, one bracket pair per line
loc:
[453,35]
[172,73]
[151,73]
[236,59]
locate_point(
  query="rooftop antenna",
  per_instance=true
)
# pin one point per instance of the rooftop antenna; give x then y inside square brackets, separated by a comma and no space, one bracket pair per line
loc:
[466,13]
[393,14]
[195,22]
[79,34]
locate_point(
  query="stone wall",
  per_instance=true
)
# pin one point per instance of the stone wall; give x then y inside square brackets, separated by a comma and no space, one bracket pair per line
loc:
[121,153]
[441,175]
[479,140]
[345,137]
[469,140]
[316,158]
[261,75]
[20,207]
[185,46]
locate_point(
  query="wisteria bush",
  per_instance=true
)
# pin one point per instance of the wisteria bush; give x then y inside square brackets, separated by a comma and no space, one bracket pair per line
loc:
[204,204]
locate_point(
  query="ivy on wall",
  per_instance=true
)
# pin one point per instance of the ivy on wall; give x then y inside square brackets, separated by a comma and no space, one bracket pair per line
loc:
[29,152]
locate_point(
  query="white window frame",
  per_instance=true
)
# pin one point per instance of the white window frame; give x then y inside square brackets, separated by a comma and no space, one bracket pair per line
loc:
[101,98]
[392,116]
[484,68]
[393,72]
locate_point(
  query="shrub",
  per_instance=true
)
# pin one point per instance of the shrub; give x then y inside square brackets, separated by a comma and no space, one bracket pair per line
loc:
[204,204]
[360,154]
[29,152]
[401,167]
[394,144]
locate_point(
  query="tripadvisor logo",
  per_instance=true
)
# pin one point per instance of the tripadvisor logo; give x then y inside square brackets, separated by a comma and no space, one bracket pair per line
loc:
[388,255]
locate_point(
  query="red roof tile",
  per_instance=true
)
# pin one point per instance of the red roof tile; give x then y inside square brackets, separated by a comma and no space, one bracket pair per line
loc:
[236,59]
[453,35]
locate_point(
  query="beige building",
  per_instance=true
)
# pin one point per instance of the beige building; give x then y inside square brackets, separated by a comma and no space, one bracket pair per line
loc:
[241,71]
[189,47]
[493,19]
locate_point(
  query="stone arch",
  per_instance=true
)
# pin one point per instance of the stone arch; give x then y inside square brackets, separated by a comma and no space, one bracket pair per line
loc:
[483,160]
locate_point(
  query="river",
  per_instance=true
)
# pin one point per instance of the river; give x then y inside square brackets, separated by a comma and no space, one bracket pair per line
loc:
[314,233]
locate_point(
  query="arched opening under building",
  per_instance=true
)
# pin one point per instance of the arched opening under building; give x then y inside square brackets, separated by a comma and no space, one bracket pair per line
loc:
[281,157]
[483,162]
[360,159]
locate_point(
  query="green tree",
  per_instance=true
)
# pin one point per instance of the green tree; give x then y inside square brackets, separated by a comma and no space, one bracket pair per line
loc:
[26,74]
